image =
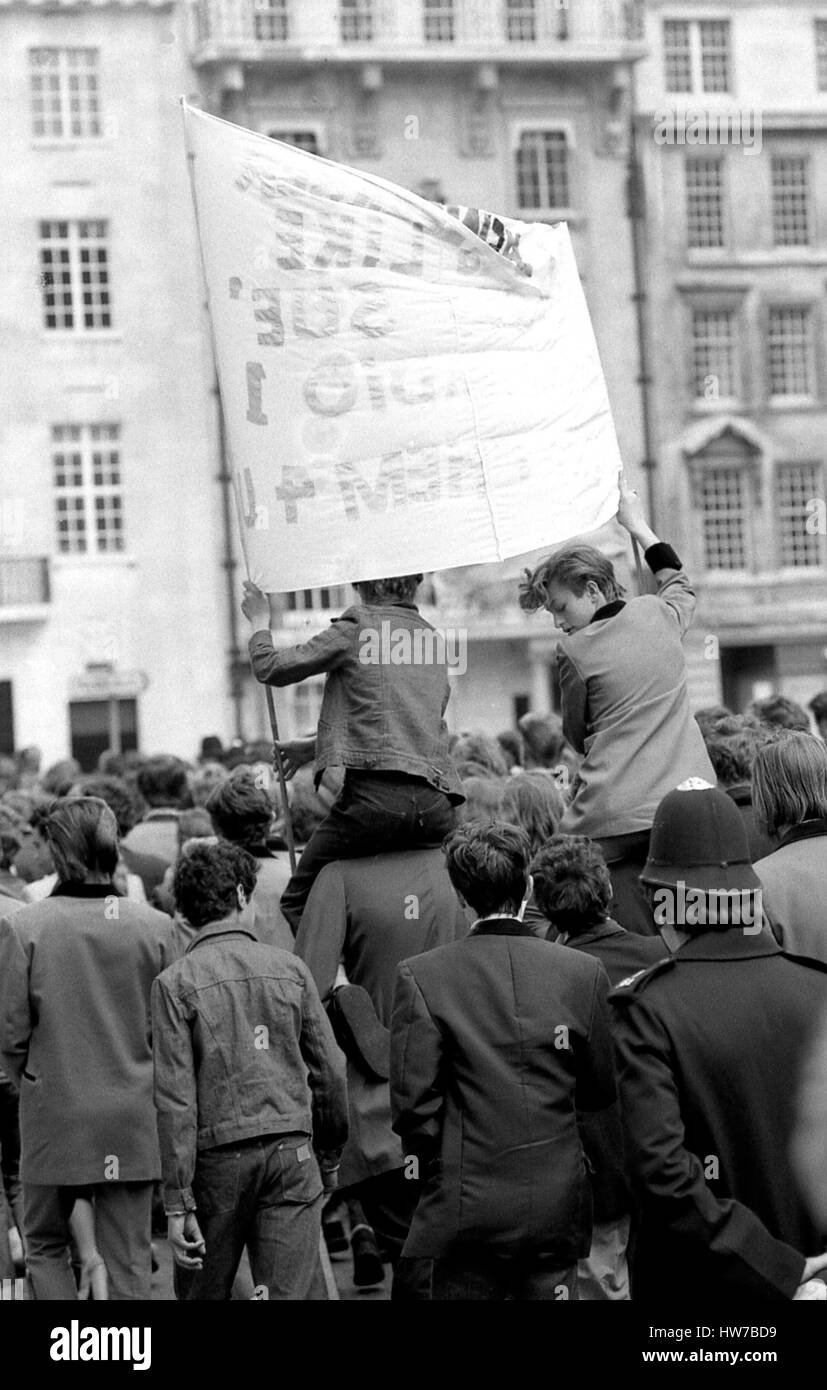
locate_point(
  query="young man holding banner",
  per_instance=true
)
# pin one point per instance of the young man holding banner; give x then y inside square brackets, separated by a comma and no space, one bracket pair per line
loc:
[625,701]
[382,720]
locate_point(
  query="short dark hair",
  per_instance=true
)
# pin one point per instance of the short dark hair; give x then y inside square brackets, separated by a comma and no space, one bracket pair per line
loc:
[116,794]
[818,705]
[399,589]
[240,810]
[780,710]
[206,879]
[789,781]
[58,779]
[543,738]
[83,834]
[163,782]
[488,865]
[572,568]
[572,886]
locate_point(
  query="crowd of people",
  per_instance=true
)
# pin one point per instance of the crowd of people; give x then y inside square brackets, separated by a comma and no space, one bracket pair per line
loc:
[540,1015]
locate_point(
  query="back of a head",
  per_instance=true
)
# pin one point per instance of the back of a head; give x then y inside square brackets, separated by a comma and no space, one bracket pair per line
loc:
[818,707]
[710,718]
[480,752]
[543,739]
[781,711]
[13,830]
[511,746]
[572,886]
[730,753]
[116,794]
[83,836]
[789,781]
[241,810]
[381,593]
[163,781]
[58,779]
[204,780]
[535,803]
[483,795]
[207,878]
[488,866]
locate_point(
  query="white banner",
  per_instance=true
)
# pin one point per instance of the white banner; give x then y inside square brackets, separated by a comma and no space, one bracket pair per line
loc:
[399,396]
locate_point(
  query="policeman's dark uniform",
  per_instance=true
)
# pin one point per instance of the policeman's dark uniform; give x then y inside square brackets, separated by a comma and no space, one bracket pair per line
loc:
[710,1046]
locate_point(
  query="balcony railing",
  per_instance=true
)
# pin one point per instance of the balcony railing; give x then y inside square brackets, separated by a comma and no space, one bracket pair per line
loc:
[504,29]
[24,585]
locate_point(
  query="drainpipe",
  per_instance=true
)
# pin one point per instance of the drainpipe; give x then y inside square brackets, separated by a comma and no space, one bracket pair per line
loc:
[636,212]
[229,565]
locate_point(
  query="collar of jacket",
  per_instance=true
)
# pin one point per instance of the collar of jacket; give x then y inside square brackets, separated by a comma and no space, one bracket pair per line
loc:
[609,610]
[807,830]
[226,927]
[607,928]
[501,926]
[730,944]
[740,793]
[85,890]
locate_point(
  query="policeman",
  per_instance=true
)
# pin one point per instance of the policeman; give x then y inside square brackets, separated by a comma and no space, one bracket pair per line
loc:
[710,1046]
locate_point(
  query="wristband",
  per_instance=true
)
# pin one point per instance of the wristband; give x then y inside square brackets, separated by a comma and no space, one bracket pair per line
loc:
[661,556]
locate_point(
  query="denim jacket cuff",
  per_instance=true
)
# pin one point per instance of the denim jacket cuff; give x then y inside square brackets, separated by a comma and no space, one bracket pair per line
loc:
[178,1201]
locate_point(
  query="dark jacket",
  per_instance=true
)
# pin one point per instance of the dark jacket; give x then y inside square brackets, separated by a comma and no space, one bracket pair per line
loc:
[75,977]
[242,1047]
[710,1045]
[497,1041]
[626,708]
[370,914]
[620,952]
[377,715]
[794,889]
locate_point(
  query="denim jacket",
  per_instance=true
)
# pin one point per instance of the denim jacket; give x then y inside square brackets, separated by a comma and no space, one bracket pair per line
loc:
[242,1047]
[385,694]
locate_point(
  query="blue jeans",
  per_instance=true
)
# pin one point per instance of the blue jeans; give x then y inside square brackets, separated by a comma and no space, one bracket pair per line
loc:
[374,813]
[474,1273]
[265,1193]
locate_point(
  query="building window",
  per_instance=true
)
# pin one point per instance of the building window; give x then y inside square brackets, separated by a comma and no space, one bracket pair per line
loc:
[797,486]
[704,202]
[543,169]
[714,37]
[86,467]
[64,91]
[713,354]
[821,54]
[302,139]
[790,352]
[356,21]
[270,20]
[723,518]
[318,600]
[74,275]
[440,21]
[790,201]
[97,726]
[677,55]
[696,55]
[521,21]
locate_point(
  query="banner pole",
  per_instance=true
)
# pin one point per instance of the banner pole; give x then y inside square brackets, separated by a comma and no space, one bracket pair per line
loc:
[271,707]
[288,820]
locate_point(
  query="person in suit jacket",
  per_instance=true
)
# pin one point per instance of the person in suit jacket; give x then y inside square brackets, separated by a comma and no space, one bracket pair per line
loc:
[368,915]
[573,891]
[790,794]
[496,1042]
[76,972]
[624,695]
[711,1042]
